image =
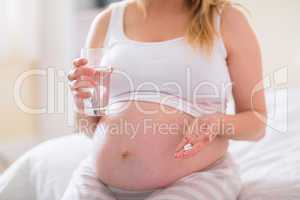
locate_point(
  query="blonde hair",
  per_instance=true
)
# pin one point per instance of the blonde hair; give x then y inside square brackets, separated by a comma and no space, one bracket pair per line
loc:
[201,31]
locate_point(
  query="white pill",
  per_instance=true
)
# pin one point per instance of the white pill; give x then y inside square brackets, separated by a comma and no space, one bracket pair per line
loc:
[188,147]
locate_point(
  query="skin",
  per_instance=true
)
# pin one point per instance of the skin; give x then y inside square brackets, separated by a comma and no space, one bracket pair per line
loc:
[245,68]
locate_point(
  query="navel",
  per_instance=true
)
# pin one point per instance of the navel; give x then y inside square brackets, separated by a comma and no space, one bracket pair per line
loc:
[125,154]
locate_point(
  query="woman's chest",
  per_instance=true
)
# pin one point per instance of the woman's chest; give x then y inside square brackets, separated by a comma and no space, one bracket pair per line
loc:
[169,66]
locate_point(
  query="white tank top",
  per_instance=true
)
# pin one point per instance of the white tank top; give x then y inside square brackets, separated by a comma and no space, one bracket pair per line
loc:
[170,72]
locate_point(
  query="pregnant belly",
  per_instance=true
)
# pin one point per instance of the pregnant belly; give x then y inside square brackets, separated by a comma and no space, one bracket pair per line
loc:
[135,148]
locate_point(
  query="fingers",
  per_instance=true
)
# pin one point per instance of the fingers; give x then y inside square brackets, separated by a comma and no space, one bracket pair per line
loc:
[81,94]
[79,62]
[194,151]
[88,71]
[79,100]
[80,87]
[82,71]
[102,74]
[197,142]
[186,139]
[183,142]
[84,82]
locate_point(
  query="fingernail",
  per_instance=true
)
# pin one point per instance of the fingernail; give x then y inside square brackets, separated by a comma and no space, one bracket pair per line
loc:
[177,155]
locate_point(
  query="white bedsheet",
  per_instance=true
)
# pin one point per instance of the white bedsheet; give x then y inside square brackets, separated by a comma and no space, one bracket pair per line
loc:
[270,169]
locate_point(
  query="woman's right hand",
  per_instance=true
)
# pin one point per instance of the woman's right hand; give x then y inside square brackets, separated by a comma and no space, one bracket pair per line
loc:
[81,77]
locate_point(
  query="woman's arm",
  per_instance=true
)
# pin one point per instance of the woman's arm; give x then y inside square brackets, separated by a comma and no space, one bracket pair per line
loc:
[95,39]
[245,67]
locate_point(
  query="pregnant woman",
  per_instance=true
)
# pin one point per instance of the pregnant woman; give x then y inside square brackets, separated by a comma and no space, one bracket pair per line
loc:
[166,133]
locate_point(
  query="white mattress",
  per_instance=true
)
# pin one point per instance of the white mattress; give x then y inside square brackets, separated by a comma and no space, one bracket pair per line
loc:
[270,169]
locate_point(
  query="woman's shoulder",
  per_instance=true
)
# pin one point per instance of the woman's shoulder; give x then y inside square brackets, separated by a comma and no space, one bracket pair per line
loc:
[235,27]
[233,16]
[99,28]
[103,18]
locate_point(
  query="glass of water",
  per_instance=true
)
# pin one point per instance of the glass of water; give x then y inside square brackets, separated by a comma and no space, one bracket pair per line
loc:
[96,104]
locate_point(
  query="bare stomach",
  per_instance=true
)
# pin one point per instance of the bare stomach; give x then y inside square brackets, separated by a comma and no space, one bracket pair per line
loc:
[135,148]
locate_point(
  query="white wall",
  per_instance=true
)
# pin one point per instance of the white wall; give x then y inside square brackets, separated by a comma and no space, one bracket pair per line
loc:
[42,40]
[277,23]
[18,53]
[56,53]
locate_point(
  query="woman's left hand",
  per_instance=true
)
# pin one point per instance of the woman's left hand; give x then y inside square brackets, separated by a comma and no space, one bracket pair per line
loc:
[198,135]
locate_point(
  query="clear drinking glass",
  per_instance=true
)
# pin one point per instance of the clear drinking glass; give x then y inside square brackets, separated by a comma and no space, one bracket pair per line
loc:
[96,105]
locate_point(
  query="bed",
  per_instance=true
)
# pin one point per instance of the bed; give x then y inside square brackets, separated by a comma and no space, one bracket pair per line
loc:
[270,169]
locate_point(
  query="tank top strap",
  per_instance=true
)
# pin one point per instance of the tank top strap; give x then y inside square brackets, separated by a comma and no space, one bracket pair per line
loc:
[218,19]
[115,27]
[218,29]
